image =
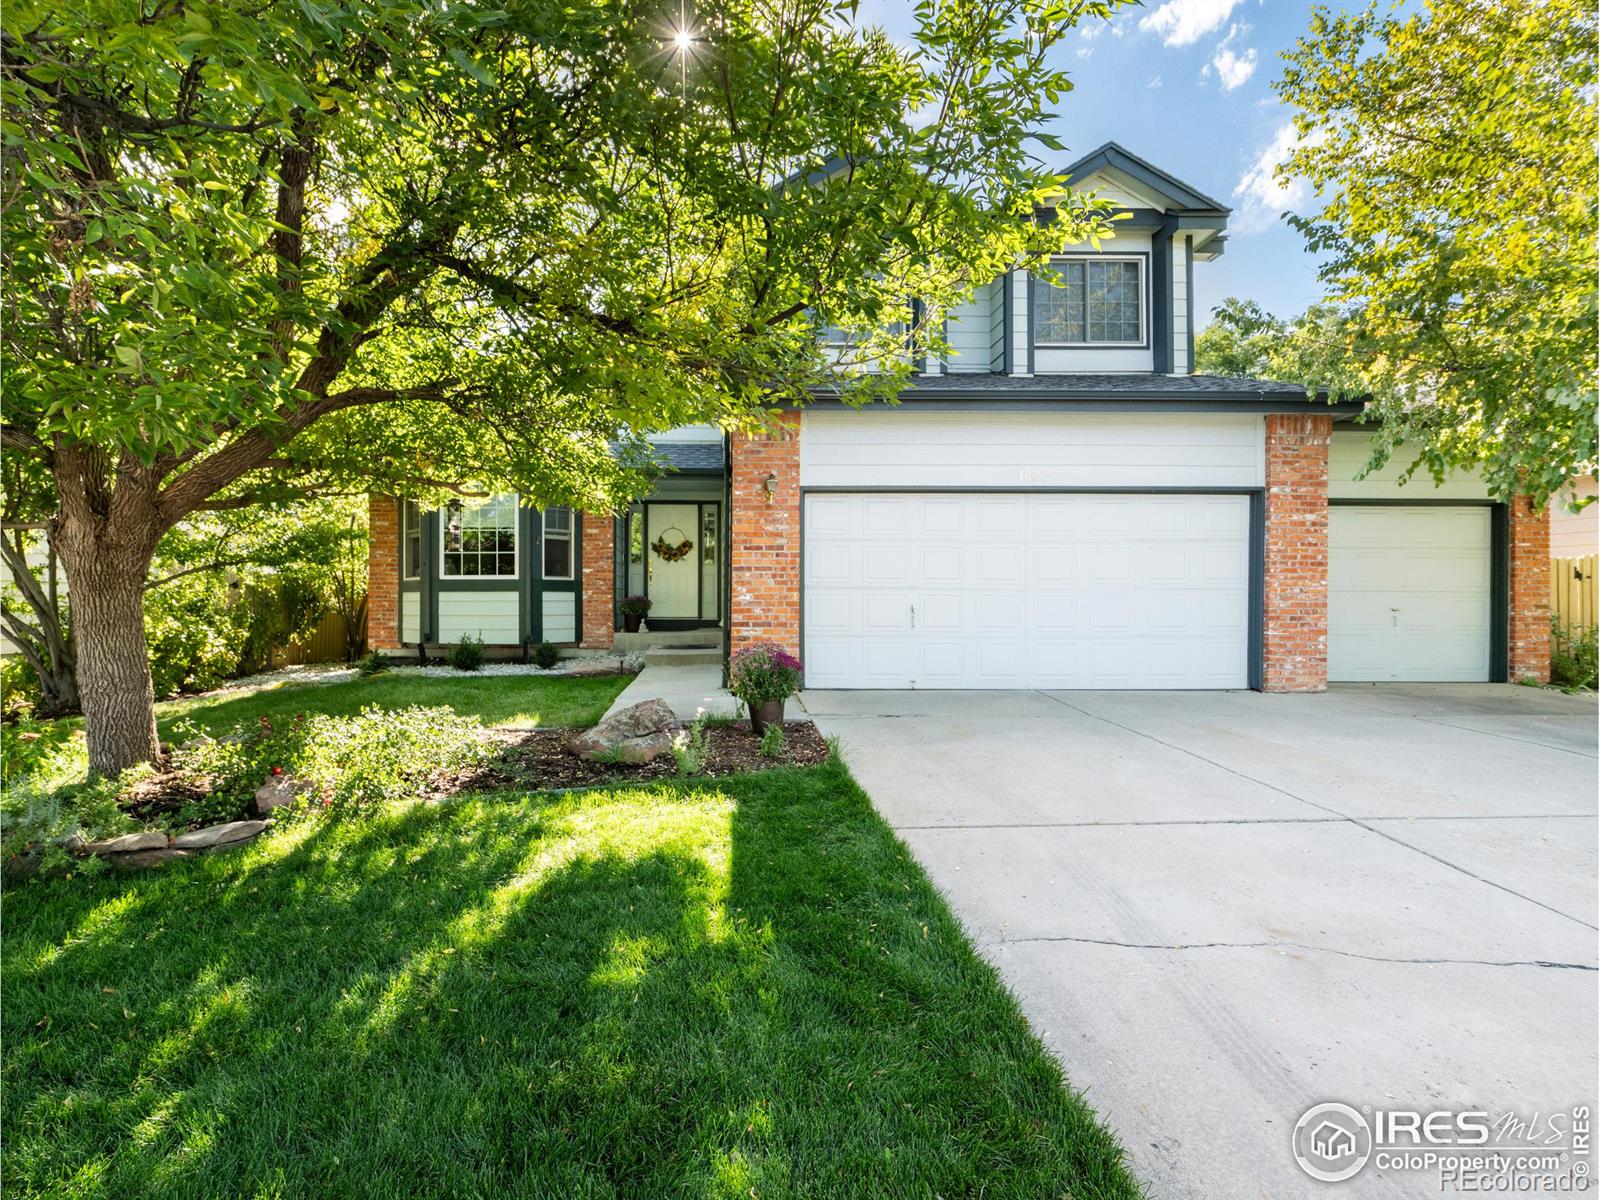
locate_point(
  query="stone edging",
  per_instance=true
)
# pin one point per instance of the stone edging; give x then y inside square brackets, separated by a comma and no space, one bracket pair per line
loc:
[153,847]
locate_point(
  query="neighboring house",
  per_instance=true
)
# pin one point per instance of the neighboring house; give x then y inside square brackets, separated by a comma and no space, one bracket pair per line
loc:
[1062,503]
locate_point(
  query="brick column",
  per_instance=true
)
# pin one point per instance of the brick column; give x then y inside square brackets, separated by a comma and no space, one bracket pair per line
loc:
[383,572]
[1295,626]
[764,536]
[599,580]
[1528,644]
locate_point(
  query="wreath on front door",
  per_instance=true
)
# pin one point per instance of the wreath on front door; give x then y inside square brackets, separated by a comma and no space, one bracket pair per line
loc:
[672,551]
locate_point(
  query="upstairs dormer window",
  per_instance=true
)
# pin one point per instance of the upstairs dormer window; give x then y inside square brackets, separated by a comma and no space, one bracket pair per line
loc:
[1099,301]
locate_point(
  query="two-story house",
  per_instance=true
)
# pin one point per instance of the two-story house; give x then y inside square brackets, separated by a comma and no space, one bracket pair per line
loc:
[1061,502]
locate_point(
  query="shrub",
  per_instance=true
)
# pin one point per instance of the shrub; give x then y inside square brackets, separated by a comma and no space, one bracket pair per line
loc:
[763,672]
[771,742]
[41,814]
[19,687]
[467,654]
[1574,655]
[545,655]
[373,662]
[635,606]
[377,754]
[689,747]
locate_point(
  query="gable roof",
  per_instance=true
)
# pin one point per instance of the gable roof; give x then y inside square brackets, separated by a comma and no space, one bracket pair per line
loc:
[1113,157]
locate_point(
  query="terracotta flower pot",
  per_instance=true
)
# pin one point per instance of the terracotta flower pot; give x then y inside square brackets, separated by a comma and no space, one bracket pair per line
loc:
[768,712]
[630,622]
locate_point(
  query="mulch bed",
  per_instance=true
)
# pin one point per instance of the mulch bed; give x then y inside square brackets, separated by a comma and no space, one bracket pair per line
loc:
[539,759]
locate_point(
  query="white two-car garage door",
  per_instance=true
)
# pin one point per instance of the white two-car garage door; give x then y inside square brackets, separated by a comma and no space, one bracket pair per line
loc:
[1026,590]
[1409,593]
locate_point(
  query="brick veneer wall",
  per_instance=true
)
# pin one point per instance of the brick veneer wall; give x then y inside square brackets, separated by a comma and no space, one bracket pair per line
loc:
[599,581]
[1528,644]
[1295,625]
[383,572]
[764,532]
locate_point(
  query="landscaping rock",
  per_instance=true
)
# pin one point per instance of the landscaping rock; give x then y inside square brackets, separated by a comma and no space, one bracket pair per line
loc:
[128,843]
[218,835]
[147,858]
[596,666]
[634,735]
[279,790]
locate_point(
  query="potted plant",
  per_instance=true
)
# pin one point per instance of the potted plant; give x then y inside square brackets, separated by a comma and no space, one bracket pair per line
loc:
[764,676]
[633,611]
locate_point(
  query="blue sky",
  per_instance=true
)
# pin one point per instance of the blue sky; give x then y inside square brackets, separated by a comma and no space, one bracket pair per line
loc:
[1186,84]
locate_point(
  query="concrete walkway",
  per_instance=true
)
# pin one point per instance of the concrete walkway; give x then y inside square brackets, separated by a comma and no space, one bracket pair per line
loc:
[687,689]
[1219,908]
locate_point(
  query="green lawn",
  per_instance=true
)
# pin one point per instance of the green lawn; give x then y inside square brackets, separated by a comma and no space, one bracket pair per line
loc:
[735,989]
[494,699]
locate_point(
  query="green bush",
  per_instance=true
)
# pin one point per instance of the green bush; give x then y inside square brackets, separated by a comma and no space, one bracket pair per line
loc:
[467,654]
[771,742]
[377,754]
[50,808]
[1574,655]
[373,662]
[202,633]
[19,687]
[545,655]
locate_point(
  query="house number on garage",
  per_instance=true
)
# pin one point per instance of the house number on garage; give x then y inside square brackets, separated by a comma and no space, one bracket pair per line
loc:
[1033,476]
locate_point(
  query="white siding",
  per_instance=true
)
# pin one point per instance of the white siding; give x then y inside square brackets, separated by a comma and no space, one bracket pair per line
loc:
[997,324]
[1180,306]
[1021,450]
[1021,323]
[560,617]
[1349,453]
[1574,534]
[968,334]
[689,433]
[491,616]
[410,616]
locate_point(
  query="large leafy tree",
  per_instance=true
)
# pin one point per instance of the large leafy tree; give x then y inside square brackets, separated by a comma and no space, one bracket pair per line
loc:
[256,252]
[1453,147]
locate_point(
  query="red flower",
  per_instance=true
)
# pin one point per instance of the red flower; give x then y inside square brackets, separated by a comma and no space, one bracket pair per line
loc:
[277,770]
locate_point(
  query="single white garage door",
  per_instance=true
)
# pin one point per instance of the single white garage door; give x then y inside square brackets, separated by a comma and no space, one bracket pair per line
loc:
[1026,591]
[1408,593]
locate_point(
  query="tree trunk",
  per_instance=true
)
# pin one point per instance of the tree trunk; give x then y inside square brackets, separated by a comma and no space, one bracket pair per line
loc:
[113,662]
[106,536]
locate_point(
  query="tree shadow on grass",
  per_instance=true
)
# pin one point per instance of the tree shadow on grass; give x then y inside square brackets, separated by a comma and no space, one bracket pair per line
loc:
[656,993]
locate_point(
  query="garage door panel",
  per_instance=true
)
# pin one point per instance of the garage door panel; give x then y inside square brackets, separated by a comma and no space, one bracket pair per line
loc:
[1409,593]
[827,562]
[1038,590]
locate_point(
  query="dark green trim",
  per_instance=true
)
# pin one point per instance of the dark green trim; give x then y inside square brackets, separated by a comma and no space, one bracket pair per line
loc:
[1188,295]
[1499,594]
[428,619]
[1256,635]
[1118,158]
[919,360]
[994,400]
[1007,332]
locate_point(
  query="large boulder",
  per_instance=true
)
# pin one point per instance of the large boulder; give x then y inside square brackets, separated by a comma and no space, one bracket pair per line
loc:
[634,735]
[280,790]
[218,835]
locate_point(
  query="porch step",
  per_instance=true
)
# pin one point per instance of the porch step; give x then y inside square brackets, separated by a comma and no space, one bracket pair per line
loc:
[699,639]
[683,656]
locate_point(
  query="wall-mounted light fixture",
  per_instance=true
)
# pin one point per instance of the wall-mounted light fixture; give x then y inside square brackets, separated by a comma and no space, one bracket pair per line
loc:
[770,486]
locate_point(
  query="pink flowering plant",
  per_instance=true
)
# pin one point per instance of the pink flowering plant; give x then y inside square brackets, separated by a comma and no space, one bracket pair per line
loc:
[762,672]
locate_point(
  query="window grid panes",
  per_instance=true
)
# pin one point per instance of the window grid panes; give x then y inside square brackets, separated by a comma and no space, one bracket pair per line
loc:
[1097,301]
[480,538]
[410,540]
[558,543]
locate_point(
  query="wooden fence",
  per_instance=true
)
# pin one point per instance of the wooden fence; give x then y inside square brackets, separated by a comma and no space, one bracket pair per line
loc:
[325,643]
[1572,591]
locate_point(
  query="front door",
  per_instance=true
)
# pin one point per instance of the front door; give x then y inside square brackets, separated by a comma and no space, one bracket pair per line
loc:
[672,561]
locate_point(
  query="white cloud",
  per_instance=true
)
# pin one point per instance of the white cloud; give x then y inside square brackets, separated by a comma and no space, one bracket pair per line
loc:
[1185,22]
[1233,69]
[1263,195]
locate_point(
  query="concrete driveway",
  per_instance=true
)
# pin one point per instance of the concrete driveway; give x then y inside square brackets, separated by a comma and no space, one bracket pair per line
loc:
[1220,908]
